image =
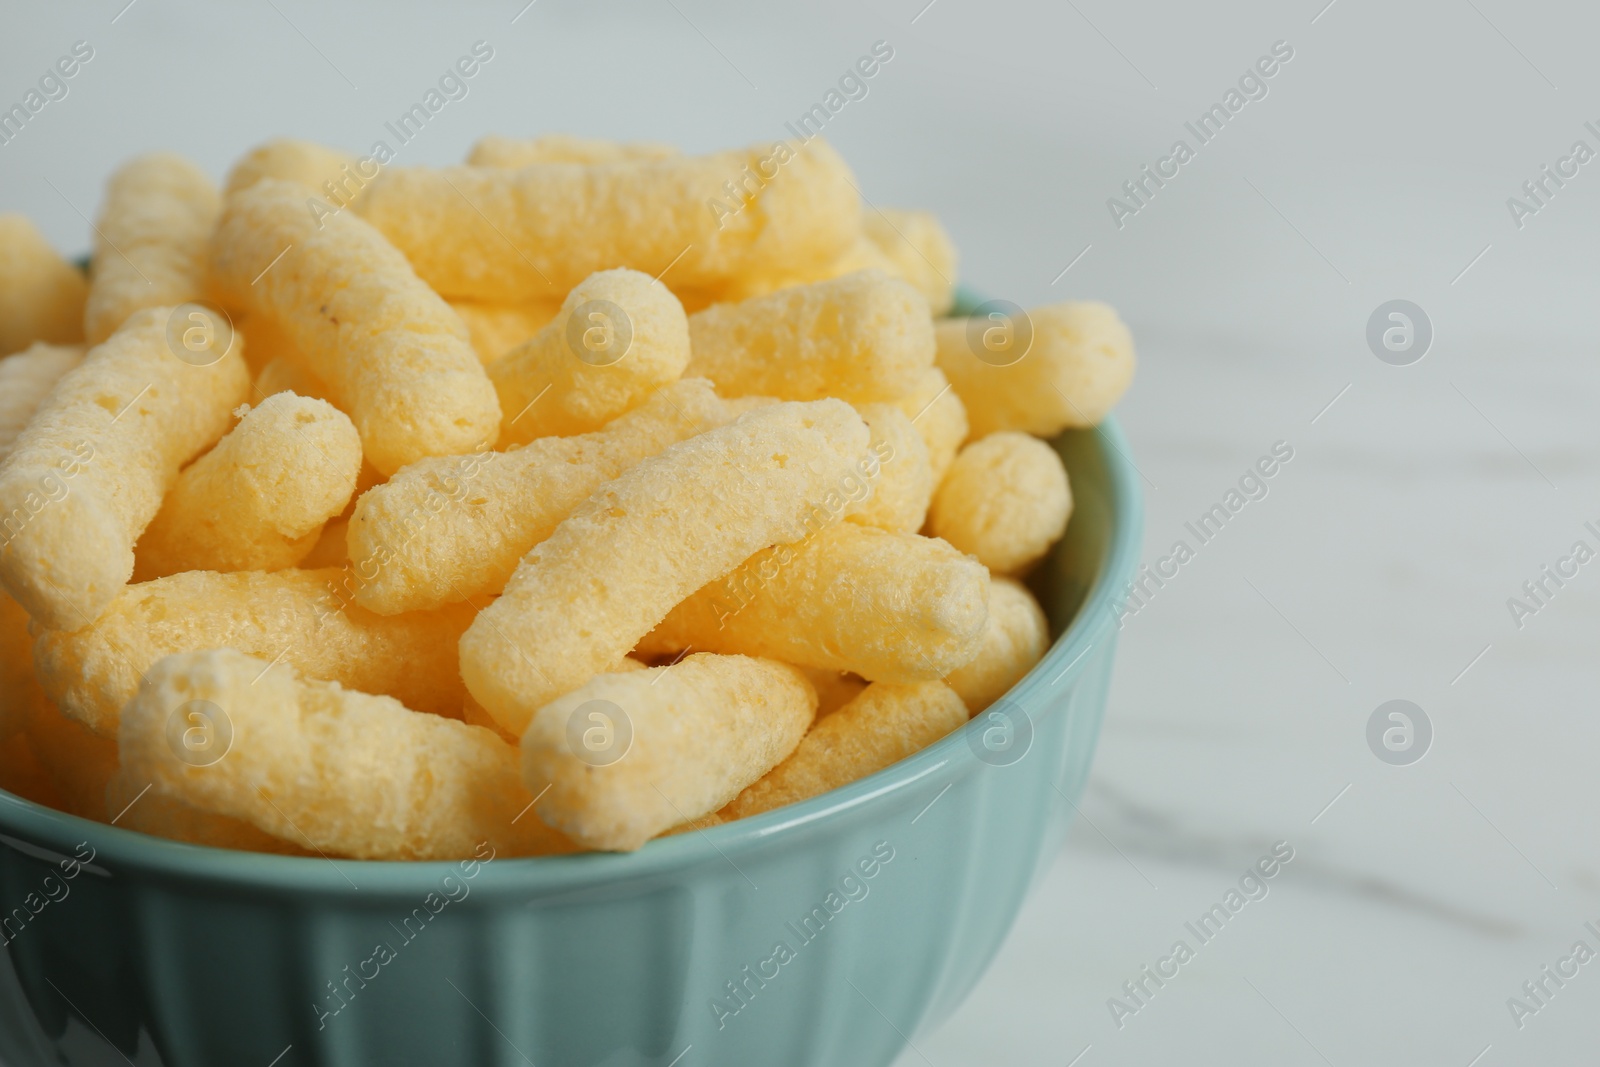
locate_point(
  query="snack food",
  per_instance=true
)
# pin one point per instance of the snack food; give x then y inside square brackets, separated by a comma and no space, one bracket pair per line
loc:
[1005,500]
[863,337]
[291,616]
[507,235]
[326,767]
[642,542]
[303,162]
[581,495]
[695,734]
[451,529]
[258,500]
[939,416]
[920,251]
[89,472]
[1078,360]
[496,151]
[26,378]
[393,354]
[888,606]
[620,335]
[1016,635]
[883,725]
[41,294]
[150,247]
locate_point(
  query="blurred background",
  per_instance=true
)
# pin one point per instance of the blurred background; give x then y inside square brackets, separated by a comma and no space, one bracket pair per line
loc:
[1430,877]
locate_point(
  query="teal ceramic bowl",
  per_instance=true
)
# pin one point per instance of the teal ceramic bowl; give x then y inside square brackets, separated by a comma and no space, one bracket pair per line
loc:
[821,934]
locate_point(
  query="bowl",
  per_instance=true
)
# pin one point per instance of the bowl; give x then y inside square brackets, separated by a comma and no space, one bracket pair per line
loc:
[829,932]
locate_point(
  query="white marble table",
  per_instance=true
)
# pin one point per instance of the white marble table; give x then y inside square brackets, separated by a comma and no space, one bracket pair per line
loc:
[1377,166]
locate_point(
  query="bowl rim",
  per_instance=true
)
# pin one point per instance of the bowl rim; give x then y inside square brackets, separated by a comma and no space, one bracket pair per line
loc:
[42,831]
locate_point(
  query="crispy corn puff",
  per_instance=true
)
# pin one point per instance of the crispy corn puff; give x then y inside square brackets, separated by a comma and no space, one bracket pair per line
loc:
[904,486]
[1005,500]
[883,725]
[863,337]
[641,543]
[939,416]
[259,499]
[920,249]
[79,763]
[150,242]
[507,235]
[620,336]
[293,616]
[396,358]
[89,472]
[494,150]
[498,328]
[41,294]
[1077,365]
[630,755]
[890,607]
[357,775]
[303,162]
[861,255]
[25,380]
[451,529]
[1016,637]
[143,809]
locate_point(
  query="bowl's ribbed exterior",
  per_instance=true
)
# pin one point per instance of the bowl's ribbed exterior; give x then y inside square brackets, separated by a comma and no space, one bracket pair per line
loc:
[160,953]
[620,974]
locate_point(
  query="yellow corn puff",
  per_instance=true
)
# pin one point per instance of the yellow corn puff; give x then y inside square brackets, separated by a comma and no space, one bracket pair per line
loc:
[904,486]
[41,294]
[834,689]
[79,763]
[507,235]
[883,725]
[620,336]
[396,358]
[920,249]
[643,542]
[136,807]
[312,763]
[303,162]
[863,337]
[890,607]
[150,242]
[861,255]
[292,616]
[1005,500]
[1015,638]
[89,472]
[25,380]
[939,416]
[451,529]
[259,499]
[494,150]
[498,328]
[1077,364]
[630,755]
